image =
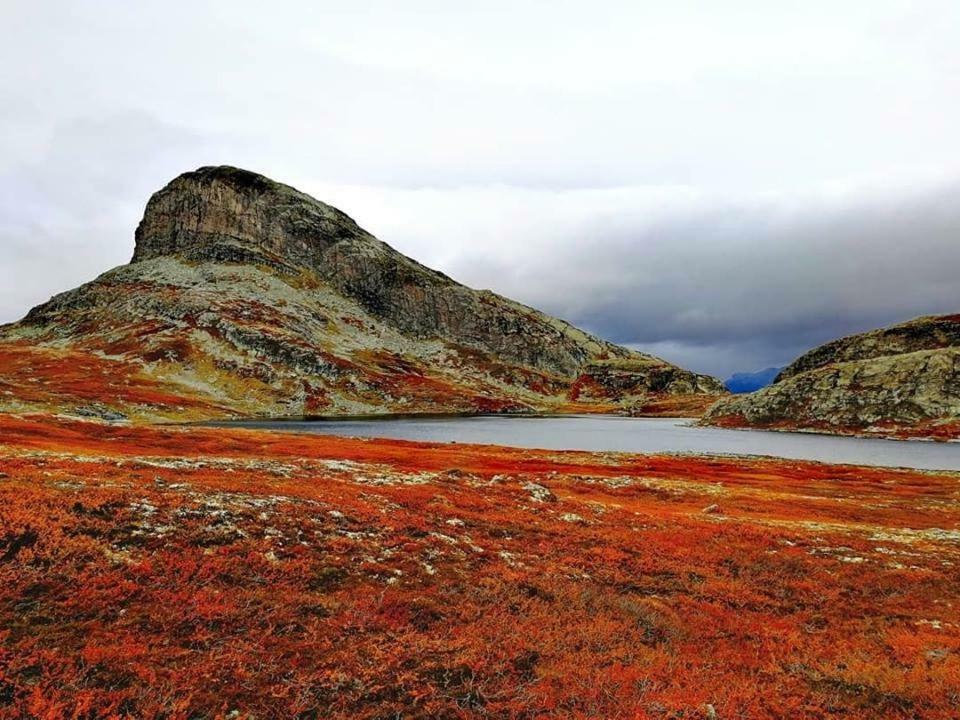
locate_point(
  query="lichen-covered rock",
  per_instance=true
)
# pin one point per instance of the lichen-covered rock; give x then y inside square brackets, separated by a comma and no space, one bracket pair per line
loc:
[265,301]
[932,332]
[902,380]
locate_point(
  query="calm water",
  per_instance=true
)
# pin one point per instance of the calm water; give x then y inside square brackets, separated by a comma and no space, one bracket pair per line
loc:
[640,435]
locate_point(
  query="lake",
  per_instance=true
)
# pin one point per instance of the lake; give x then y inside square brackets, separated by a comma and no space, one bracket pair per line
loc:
[636,435]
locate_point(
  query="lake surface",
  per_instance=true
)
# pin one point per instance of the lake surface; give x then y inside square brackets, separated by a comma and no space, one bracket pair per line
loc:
[639,435]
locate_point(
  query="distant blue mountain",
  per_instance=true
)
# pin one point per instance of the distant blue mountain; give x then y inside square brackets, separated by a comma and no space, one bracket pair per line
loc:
[748,382]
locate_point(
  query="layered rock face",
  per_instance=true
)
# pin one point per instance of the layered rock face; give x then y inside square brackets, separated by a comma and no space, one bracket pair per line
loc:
[229,215]
[265,301]
[902,380]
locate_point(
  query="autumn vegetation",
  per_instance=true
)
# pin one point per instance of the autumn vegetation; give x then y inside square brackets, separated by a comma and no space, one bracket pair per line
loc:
[151,572]
[98,382]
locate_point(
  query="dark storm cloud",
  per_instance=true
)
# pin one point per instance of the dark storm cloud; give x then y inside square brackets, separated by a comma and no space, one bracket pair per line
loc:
[743,285]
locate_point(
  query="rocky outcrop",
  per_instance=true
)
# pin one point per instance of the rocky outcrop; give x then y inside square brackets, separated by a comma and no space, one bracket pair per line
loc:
[901,380]
[266,301]
[934,332]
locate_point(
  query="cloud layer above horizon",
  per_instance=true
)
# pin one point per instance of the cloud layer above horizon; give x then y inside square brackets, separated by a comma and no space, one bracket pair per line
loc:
[725,188]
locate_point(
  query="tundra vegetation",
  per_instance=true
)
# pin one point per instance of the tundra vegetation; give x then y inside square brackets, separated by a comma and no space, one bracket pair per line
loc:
[152,572]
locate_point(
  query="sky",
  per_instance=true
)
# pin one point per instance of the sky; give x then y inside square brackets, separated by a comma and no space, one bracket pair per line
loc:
[723,184]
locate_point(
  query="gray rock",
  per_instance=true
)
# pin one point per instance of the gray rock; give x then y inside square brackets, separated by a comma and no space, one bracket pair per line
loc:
[539,493]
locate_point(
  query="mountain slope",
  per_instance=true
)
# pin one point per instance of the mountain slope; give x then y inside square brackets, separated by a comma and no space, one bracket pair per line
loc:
[248,297]
[902,380]
[745,382]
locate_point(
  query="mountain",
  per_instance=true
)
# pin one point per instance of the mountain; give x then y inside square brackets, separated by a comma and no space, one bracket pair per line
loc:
[746,382]
[247,297]
[901,380]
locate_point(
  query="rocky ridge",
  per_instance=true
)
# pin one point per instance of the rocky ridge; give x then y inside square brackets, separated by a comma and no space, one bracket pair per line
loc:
[247,297]
[902,380]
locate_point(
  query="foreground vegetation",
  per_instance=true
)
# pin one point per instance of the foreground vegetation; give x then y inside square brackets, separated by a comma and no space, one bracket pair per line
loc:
[149,572]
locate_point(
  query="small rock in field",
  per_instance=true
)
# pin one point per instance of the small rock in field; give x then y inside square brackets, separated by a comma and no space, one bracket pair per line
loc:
[538,493]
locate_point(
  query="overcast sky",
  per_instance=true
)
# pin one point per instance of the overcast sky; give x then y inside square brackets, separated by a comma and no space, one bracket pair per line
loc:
[723,183]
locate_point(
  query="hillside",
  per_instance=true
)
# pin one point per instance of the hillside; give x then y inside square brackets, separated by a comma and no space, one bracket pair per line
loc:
[248,297]
[902,380]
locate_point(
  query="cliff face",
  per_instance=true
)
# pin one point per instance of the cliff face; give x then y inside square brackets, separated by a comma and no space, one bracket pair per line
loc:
[264,301]
[902,380]
[227,215]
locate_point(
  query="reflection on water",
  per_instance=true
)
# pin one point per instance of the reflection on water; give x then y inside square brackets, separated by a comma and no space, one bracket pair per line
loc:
[641,435]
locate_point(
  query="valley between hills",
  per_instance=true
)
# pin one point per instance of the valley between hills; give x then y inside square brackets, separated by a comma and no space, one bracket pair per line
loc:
[152,569]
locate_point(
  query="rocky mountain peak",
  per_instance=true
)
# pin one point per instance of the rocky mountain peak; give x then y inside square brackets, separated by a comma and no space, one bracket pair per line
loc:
[227,214]
[280,304]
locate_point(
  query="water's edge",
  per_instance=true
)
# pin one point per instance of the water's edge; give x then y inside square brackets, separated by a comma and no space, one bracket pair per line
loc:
[610,433]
